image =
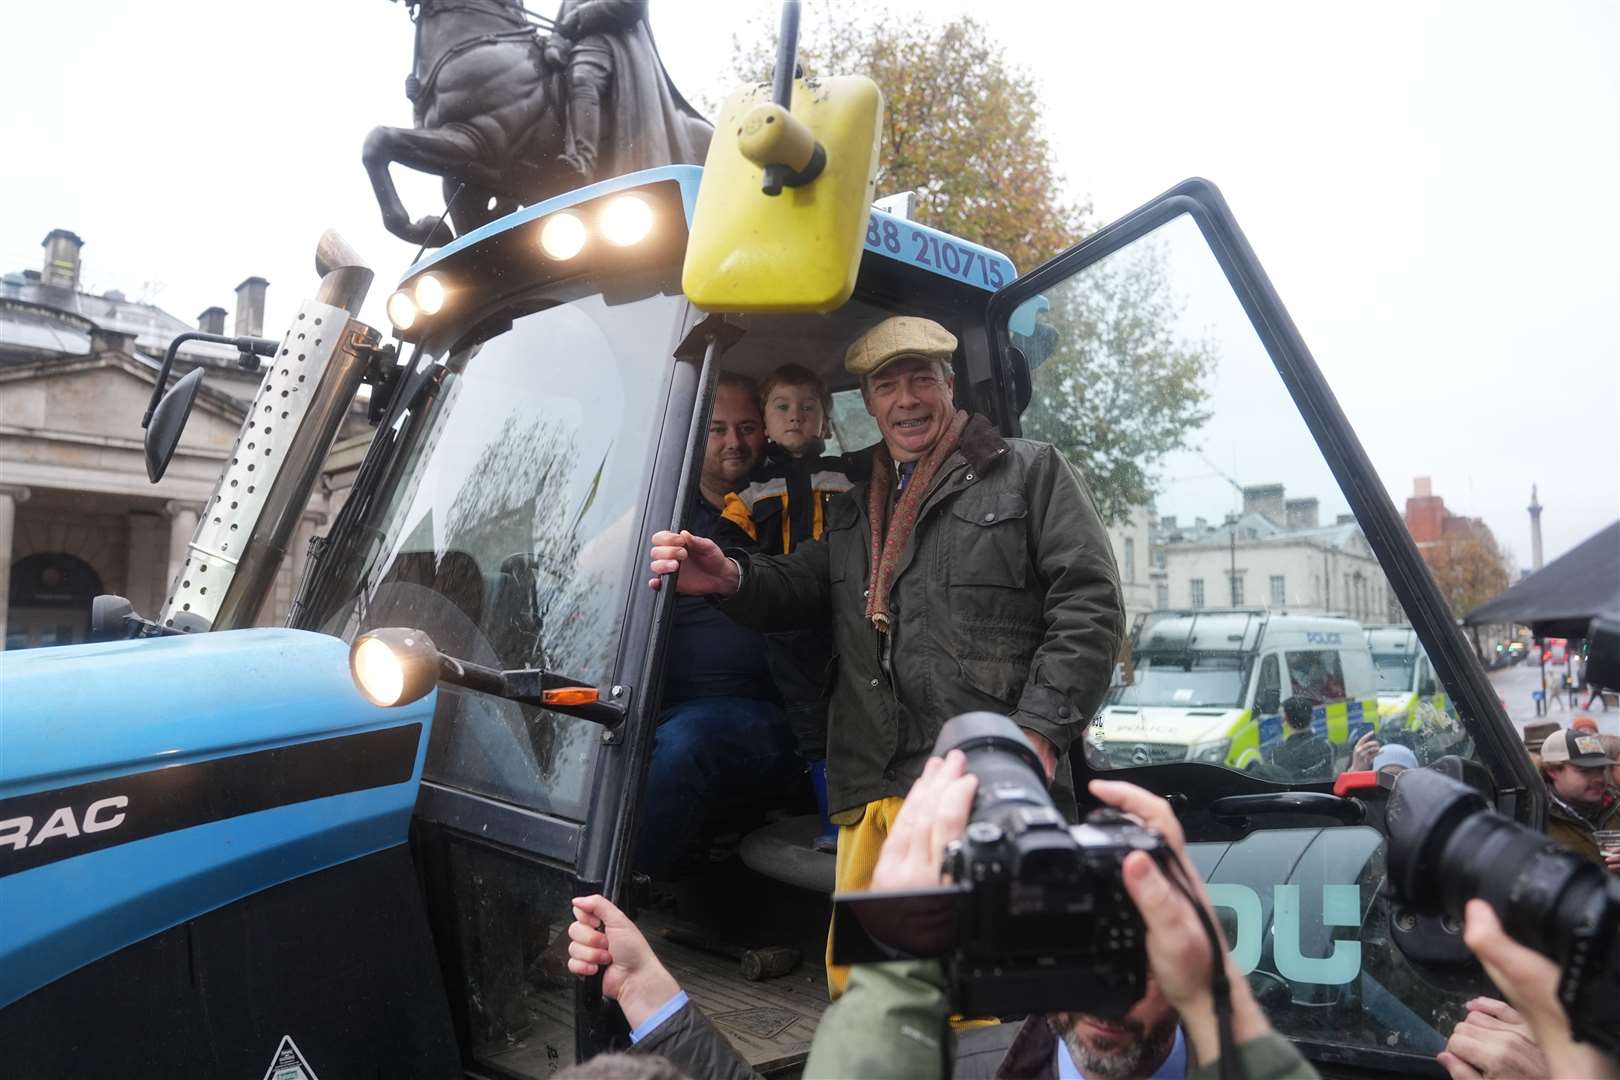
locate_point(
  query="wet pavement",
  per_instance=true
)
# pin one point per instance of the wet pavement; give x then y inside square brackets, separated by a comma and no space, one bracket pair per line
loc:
[1516,685]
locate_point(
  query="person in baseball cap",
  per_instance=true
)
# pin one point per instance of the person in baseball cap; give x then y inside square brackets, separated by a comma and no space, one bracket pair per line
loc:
[1580,804]
[1394,758]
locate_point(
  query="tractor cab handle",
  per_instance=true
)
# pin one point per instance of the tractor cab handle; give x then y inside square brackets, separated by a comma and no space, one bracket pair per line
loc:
[1316,803]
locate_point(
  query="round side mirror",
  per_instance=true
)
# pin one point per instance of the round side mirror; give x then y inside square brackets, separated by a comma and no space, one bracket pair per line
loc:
[168,421]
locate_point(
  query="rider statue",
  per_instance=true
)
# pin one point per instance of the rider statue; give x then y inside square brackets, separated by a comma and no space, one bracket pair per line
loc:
[607,50]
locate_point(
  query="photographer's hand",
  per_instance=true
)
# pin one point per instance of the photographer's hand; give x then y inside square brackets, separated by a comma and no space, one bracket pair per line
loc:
[1493,1042]
[935,813]
[601,936]
[1530,983]
[1177,947]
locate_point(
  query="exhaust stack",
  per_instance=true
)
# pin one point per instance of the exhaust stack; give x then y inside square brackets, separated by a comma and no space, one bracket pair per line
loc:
[245,528]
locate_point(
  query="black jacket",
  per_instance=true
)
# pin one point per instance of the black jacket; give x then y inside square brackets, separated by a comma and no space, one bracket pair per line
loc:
[1305,757]
[693,1045]
[785,504]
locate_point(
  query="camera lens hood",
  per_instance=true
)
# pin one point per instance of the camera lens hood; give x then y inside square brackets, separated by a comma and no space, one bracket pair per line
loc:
[975,730]
[1424,810]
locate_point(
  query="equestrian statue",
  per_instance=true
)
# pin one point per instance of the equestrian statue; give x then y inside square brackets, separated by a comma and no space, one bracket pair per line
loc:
[509,117]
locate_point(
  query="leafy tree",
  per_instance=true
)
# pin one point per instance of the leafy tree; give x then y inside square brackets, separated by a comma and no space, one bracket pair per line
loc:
[961,126]
[1469,569]
[1114,387]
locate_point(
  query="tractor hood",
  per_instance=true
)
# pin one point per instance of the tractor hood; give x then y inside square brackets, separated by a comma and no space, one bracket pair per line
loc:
[143,783]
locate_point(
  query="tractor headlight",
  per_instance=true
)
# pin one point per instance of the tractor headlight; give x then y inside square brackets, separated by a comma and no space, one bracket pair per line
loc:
[626,220]
[562,236]
[401,310]
[430,294]
[394,665]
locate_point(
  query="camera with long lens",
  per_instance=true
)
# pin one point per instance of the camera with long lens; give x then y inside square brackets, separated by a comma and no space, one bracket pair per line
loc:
[1446,846]
[1034,916]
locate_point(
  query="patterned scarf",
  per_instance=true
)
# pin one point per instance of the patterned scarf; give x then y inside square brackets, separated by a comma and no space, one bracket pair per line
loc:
[889,537]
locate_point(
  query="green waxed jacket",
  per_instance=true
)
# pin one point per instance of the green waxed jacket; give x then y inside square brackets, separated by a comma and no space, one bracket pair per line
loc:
[1006,599]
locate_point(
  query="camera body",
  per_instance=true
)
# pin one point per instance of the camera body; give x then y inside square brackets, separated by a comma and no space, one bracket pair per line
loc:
[1446,846]
[1035,918]
[1048,926]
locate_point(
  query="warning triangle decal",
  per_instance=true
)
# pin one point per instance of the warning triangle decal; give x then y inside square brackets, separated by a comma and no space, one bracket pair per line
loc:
[289,1063]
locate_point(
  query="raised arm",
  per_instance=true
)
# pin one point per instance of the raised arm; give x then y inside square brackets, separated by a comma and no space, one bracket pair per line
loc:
[662,1020]
[763,592]
[782,592]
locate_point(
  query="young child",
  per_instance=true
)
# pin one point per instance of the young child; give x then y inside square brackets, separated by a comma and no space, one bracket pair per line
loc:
[783,505]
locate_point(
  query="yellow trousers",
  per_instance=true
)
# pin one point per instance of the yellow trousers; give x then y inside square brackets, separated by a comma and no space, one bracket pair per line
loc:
[858,847]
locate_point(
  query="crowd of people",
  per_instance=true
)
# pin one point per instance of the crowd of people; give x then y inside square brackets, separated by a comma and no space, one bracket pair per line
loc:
[832,613]
[894,1019]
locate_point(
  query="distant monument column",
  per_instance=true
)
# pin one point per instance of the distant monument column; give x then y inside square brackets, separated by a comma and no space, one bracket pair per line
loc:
[1535,530]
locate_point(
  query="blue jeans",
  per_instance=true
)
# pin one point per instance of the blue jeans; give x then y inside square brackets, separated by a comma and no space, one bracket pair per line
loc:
[709,755]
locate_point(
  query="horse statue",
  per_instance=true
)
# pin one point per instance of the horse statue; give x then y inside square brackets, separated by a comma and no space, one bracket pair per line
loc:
[509,118]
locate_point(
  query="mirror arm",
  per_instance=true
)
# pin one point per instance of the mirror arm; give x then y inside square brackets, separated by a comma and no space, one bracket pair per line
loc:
[249,347]
[774,177]
[528,686]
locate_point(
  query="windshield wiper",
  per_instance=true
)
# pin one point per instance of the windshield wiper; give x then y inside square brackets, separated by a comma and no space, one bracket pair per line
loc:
[315,591]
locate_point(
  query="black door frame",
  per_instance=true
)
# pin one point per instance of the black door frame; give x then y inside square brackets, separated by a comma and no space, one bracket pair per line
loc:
[1518,789]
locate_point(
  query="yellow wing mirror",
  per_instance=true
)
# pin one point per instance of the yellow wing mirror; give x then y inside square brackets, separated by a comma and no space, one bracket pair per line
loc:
[797,248]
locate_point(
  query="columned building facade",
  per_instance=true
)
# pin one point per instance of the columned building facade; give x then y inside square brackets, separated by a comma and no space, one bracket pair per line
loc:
[78,516]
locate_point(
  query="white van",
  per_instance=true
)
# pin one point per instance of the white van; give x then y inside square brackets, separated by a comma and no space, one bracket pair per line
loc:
[1409,696]
[1209,686]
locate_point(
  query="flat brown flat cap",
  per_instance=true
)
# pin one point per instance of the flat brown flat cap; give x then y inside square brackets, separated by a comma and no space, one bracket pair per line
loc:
[1536,734]
[899,337]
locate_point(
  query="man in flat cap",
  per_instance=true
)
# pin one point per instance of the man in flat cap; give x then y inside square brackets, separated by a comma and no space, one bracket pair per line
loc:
[963,571]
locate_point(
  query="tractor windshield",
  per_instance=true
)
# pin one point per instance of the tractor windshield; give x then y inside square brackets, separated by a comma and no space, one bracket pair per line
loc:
[507,526]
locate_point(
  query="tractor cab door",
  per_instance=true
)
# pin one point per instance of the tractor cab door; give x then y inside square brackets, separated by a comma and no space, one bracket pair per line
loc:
[1158,358]
[535,443]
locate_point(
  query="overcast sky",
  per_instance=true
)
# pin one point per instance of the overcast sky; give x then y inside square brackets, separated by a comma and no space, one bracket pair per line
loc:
[1433,187]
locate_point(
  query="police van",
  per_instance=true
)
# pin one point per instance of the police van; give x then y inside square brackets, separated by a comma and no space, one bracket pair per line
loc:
[1209,685]
[1412,706]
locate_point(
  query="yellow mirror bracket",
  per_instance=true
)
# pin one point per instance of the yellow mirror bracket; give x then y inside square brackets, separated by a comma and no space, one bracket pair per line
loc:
[800,250]
[770,135]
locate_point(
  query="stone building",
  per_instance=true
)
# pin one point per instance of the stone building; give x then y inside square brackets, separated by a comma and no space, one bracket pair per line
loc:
[77,514]
[1275,554]
[1140,576]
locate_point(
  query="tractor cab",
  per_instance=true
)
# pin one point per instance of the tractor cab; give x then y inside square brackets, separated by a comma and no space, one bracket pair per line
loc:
[550,418]
[384,887]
